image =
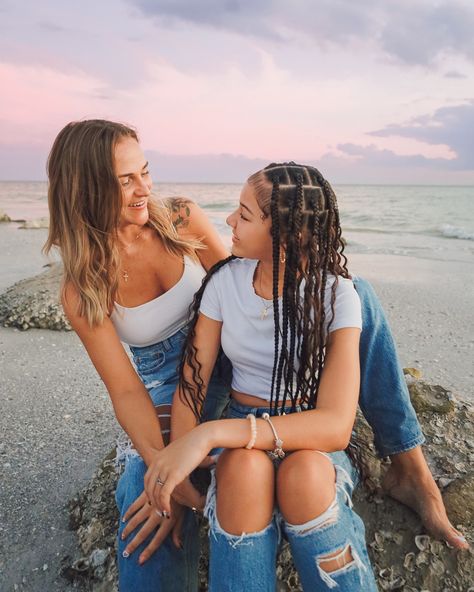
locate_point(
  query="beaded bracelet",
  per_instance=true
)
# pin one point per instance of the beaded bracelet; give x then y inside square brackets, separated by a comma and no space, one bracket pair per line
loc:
[253,431]
[278,452]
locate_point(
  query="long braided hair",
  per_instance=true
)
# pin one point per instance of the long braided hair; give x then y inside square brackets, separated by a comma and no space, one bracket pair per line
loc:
[305,222]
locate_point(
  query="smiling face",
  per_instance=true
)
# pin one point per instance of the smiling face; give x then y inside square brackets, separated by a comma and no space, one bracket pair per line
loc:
[251,236]
[132,171]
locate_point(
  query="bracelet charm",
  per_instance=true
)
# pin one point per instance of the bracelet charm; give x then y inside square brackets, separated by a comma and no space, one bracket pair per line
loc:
[278,451]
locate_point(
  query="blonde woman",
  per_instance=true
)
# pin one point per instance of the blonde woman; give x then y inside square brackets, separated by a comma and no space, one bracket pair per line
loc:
[131,268]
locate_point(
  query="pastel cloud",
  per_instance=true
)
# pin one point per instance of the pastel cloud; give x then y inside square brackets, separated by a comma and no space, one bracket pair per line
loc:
[221,84]
[394,26]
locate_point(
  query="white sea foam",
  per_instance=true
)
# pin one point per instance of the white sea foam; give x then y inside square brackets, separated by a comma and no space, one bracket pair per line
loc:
[451,231]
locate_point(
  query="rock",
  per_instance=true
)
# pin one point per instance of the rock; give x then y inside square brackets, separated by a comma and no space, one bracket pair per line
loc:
[34,302]
[459,500]
[4,217]
[434,399]
[403,556]
[413,372]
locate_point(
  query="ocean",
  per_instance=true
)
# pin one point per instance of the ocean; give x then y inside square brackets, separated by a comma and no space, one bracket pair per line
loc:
[432,222]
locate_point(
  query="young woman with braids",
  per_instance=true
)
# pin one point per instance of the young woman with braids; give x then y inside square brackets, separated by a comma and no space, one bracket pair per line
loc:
[289,320]
[124,280]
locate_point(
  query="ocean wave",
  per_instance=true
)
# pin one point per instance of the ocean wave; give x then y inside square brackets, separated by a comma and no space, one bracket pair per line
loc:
[450,231]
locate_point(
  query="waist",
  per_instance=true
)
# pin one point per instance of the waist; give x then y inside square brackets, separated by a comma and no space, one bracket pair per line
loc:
[251,401]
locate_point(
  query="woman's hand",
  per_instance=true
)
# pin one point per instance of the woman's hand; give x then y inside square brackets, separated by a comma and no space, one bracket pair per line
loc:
[187,495]
[142,512]
[171,465]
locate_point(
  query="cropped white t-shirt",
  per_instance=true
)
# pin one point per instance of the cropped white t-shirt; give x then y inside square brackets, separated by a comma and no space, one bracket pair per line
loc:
[248,339]
[161,317]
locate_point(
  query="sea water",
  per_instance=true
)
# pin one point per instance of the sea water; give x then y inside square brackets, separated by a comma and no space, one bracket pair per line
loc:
[434,222]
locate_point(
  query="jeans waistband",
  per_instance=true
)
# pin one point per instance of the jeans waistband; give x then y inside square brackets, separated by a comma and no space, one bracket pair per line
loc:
[166,345]
[259,411]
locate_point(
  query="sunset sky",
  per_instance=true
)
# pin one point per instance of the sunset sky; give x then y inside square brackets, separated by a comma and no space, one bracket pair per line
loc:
[371,91]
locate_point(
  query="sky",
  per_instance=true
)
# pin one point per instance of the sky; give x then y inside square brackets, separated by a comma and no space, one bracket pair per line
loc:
[374,91]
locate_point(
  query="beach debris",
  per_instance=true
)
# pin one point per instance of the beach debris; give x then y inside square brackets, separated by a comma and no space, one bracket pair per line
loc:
[409,562]
[4,217]
[422,541]
[413,372]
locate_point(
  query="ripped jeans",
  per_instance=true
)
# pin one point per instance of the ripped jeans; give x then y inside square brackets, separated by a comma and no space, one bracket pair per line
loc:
[248,561]
[169,569]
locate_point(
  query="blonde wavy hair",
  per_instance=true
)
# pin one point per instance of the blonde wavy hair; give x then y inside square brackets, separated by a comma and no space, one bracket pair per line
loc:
[85,202]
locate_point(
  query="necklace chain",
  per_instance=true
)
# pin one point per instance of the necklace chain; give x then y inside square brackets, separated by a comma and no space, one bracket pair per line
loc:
[124,272]
[266,307]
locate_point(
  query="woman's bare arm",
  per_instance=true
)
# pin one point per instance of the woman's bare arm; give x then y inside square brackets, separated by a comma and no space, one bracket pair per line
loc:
[207,342]
[192,222]
[132,404]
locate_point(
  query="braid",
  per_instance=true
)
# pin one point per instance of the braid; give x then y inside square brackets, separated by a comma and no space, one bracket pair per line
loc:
[276,270]
[192,392]
[293,295]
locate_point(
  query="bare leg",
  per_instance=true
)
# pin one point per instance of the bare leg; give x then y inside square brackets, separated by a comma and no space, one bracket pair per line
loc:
[409,481]
[245,490]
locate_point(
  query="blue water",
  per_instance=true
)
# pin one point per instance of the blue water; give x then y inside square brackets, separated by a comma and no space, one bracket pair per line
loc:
[434,222]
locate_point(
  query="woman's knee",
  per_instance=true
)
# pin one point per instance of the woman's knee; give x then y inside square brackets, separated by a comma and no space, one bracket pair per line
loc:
[245,490]
[305,486]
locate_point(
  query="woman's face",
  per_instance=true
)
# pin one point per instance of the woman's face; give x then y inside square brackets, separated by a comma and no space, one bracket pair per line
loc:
[250,228]
[131,169]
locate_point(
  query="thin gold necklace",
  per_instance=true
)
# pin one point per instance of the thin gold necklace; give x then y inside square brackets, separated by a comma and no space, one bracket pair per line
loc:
[266,307]
[124,272]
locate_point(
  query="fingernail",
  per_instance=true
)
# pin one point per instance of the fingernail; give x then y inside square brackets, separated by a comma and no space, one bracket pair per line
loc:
[461,538]
[125,554]
[122,536]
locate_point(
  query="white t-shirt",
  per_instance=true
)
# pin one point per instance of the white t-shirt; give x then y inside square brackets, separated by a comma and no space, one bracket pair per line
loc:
[248,339]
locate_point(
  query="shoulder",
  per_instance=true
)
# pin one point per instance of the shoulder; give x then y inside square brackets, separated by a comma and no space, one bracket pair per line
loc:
[187,217]
[236,268]
[230,278]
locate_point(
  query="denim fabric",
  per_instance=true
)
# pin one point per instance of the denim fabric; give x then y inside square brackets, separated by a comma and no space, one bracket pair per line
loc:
[248,561]
[384,398]
[169,569]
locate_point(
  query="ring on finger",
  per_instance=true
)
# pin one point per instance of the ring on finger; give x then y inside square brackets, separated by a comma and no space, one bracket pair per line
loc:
[160,482]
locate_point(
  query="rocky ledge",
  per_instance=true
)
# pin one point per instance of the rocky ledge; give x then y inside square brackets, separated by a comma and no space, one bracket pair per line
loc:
[404,557]
[34,302]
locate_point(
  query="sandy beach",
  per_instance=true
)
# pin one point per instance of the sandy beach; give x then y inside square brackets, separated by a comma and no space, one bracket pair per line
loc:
[57,422]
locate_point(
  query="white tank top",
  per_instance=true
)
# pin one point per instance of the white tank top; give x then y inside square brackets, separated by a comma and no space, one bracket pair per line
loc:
[161,317]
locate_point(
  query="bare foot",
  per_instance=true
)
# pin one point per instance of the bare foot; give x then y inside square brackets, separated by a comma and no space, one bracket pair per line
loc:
[422,495]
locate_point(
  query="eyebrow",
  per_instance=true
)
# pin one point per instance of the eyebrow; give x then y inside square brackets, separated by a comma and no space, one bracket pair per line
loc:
[246,207]
[145,166]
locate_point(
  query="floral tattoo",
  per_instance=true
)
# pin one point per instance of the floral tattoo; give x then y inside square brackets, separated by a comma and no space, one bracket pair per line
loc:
[180,211]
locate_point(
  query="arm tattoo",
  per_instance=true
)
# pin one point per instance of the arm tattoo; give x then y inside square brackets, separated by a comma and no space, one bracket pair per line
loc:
[180,212]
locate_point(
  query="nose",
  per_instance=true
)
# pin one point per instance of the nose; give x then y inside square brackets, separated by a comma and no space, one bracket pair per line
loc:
[230,220]
[143,186]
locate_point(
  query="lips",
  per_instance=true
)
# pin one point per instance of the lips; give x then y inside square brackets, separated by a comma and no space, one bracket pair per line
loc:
[137,204]
[234,238]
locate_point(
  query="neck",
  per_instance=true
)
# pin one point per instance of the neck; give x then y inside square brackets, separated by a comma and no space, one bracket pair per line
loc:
[265,276]
[128,234]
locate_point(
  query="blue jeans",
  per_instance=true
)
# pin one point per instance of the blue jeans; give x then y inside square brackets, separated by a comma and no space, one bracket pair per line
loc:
[384,398]
[248,561]
[169,569]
